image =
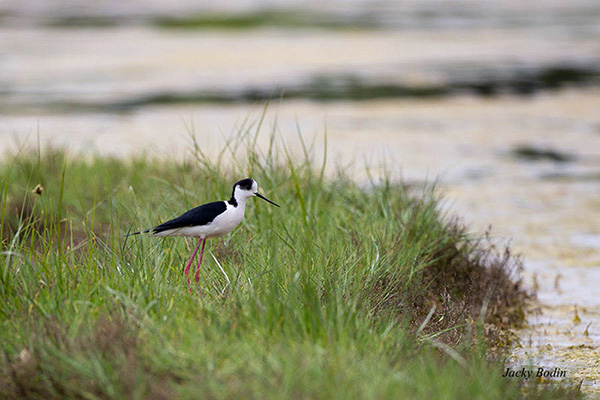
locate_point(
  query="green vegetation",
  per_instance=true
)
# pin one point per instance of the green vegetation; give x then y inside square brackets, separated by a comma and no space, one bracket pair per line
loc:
[344,292]
[265,18]
[274,19]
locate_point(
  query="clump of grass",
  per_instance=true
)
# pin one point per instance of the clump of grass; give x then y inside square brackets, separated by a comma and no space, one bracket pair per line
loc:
[347,291]
[104,362]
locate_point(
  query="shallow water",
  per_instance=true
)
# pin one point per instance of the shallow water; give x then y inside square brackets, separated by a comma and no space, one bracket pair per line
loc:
[102,90]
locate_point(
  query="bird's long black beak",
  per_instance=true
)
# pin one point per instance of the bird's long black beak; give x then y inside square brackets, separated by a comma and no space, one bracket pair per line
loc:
[265,199]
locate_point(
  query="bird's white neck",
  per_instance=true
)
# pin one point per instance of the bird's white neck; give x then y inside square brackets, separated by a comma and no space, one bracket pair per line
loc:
[239,201]
[239,198]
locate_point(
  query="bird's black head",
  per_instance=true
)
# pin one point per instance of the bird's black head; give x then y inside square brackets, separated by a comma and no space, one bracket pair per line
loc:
[244,189]
[245,184]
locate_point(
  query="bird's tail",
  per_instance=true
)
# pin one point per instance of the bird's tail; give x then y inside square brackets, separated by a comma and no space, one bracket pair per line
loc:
[137,233]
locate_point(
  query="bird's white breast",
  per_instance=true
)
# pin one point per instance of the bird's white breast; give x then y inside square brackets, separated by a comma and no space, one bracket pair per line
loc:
[227,221]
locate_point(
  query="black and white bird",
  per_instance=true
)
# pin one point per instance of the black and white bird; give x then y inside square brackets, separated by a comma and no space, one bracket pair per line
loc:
[209,220]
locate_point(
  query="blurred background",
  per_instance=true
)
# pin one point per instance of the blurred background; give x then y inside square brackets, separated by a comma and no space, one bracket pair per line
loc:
[499,99]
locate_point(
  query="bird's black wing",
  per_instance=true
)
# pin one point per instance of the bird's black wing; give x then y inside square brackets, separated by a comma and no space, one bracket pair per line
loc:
[201,215]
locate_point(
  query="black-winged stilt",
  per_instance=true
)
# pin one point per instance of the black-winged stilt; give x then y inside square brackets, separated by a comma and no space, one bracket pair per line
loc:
[209,220]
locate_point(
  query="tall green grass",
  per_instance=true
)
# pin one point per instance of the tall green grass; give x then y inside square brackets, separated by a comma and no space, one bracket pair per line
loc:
[345,292]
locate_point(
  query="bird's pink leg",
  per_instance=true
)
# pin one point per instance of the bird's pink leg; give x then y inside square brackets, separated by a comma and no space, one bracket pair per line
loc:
[200,262]
[187,267]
